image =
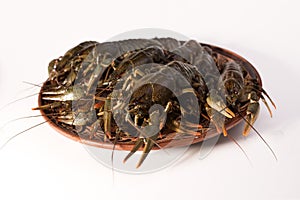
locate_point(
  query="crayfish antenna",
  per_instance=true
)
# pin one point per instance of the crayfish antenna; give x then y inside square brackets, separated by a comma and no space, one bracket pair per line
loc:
[5,143]
[20,118]
[112,154]
[240,147]
[33,84]
[256,131]
[31,95]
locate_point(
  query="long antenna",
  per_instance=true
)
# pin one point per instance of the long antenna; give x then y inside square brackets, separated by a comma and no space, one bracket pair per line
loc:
[26,117]
[31,95]
[22,132]
[240,147]
[33,84]
[258,135]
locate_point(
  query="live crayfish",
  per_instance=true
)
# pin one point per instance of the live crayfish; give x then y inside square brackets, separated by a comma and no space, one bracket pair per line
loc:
[125,95]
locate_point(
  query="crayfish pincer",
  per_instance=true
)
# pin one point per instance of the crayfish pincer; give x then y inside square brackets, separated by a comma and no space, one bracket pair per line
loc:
[144,94]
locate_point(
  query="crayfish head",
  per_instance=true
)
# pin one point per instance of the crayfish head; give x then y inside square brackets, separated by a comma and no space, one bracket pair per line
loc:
[232,91]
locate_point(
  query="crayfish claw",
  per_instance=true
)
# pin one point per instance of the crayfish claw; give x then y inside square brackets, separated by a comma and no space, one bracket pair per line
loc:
[252,113]
[220,106]
[149,135]
[48,106]
[149,143]
[267,105]
[272,102]
[137,145]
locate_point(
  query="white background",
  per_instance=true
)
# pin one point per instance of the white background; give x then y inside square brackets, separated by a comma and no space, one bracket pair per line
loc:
[43,164]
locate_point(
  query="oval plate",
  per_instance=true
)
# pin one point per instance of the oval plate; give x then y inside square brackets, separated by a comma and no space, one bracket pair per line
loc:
[230,123]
